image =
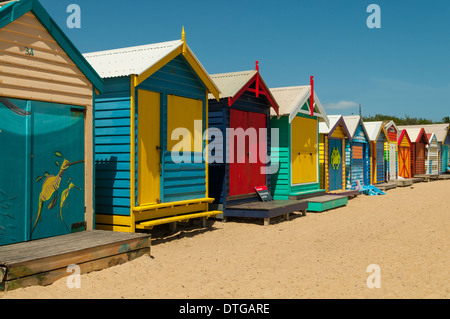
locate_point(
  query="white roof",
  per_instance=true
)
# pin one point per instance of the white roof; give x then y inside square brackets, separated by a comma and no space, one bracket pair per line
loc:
[324,129]
[231,83]
[291,100]
[439,129]
[131,60]
[413,132]
[352,122]
[373,129]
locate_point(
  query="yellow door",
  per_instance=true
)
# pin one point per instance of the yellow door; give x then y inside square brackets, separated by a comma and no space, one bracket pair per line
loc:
[149,154]
[304,150]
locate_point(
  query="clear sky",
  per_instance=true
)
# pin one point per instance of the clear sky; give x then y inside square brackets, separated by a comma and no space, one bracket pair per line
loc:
[403,68]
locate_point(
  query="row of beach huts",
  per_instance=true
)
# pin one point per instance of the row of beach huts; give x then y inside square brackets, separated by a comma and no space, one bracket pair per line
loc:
[87,141]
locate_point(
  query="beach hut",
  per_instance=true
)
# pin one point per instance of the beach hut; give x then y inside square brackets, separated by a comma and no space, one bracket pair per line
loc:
[391,149]
[244,110]
[332,153]
[442,135]
[357,153]
[298,152]
[404,155]
[46,105]
[378,141]
[432,161]
[149,125]
[419,141]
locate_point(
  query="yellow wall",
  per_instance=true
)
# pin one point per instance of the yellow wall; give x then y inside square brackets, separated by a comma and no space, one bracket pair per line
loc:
[304,147]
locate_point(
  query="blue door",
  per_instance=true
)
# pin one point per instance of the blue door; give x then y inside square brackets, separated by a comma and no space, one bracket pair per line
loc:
[444,158]
[335,164]
[41,170]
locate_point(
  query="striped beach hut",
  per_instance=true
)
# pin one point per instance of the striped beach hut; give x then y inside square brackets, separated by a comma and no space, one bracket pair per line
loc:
[332,140]
[357,153]
[378,141]
[404,155]
[298,151]
[432,161]
[149,125]
[419,141]
[46,112]
[392,149]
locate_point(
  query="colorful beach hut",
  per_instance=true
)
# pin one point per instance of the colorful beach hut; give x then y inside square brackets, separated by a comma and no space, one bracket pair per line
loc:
[442,135]
[432,161]
[357,153]
[298,152]
[391,149]
[419,141]
[149,125]
[404,155]
[332,153]
[378,141]
[46,105]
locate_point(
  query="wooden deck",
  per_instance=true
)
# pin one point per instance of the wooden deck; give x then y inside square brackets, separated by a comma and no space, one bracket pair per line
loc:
[266,210]
[326,202]
[387,186]
[444,176]
[44,261]
[428,177]
[403,182]
[344,192]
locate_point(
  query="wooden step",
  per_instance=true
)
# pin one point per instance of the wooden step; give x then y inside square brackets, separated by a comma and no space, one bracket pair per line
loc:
[326,202]
[43,261]
[403,182]
[387,186]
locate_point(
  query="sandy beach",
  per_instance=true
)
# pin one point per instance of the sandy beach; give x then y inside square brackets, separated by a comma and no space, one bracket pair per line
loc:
[321,255]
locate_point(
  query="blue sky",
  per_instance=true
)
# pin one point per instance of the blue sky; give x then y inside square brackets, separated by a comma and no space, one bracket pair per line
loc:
[402,68]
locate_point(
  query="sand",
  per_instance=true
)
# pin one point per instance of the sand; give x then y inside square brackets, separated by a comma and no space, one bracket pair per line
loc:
[322,255]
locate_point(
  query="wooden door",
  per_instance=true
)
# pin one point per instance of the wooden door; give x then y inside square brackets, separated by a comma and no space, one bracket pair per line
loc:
[380,162]
[238,167]
[335,164]
[149,147]
[392,161]
[420,158]
[303,151]
[257,150]
[445,157]
[404,162]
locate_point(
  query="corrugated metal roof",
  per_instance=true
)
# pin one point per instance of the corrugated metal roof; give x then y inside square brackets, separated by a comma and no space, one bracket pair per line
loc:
[131,60]
[324,129]
[291,100]
[373,129]
[231,83]
[439,129]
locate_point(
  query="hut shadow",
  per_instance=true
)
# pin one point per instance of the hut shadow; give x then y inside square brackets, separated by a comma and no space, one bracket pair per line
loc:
[260,221]
[105,177]
[162,234]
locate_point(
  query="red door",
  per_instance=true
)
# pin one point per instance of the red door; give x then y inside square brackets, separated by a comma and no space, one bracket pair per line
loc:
[420,158]
[245,163]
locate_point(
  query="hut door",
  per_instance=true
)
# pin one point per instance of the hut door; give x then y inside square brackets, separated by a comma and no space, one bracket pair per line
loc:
[57,169]
[149,147]
[420,158]
[392,162]
[303,150]
[404,162]
[380,162]
[444,158]
[335,164]
[244,175]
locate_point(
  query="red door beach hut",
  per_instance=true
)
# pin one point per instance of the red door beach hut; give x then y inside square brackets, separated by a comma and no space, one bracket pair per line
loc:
[46,112]
[378,141]
[149,125]
[332,153]
[392,149]
[419,141]
[404,155]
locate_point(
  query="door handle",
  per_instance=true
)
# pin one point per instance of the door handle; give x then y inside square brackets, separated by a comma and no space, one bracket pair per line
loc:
[158,148]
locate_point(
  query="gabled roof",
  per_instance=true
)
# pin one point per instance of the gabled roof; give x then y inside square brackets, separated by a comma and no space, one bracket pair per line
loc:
[352,122]
[335,121]
[403,134]
[145,60]
[432,137]
[16,9]
[374,129]
[441,130]
[415,133]
[388,124]
[292,99]
[233,84]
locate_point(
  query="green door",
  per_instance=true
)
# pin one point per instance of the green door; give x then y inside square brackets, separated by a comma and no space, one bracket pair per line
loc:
[41,170]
